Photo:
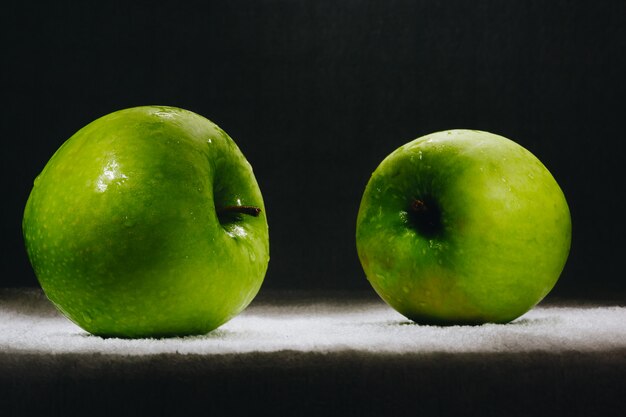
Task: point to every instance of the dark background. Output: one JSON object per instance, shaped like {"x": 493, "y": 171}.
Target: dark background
{"x": 317, "y": 93}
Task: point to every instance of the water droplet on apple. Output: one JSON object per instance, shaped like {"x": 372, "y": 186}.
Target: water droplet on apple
{"x": 252, "y": 256}
{"x": 87, "y": 317}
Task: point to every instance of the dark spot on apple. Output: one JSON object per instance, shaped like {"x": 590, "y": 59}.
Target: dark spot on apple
{"x": 424, "y": 214}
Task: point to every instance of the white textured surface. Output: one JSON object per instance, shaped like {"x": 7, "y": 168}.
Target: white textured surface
{"x": 29, "y": 324}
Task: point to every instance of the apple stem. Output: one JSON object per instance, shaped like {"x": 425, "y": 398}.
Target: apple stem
{"x": 249, "y": 210}
{"x": 426, "y": 216}
{"x": 418, "y": 206}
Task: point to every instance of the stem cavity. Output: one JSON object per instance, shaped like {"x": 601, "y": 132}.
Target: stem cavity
{"x": 248, "y": 210}
{"x": 425, "y": 216}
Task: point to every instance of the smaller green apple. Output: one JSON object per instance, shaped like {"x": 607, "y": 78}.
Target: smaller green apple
{"x": 462, "y": 227}
{"x": 148, "y": 222}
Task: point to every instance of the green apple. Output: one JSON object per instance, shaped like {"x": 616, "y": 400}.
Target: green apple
{"x": 148, "y": 222}
{"x": 462, "y": 227}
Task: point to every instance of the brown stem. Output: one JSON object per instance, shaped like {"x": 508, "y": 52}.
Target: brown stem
{"x": 418, "y": 206}
{"x": 249, "y": 210}
{"x": 425, "y": 215}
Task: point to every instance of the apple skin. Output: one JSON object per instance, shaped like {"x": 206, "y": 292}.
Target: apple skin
{"x": 495, "y": 244}
{"x": 122, "y": 231}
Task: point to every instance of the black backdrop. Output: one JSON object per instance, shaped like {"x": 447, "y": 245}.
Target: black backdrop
{"x": 317, "y": 93}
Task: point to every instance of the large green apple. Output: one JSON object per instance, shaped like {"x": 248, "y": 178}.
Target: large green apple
{"x": 462, "y": 227}
{"x": 148, "y": 222}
